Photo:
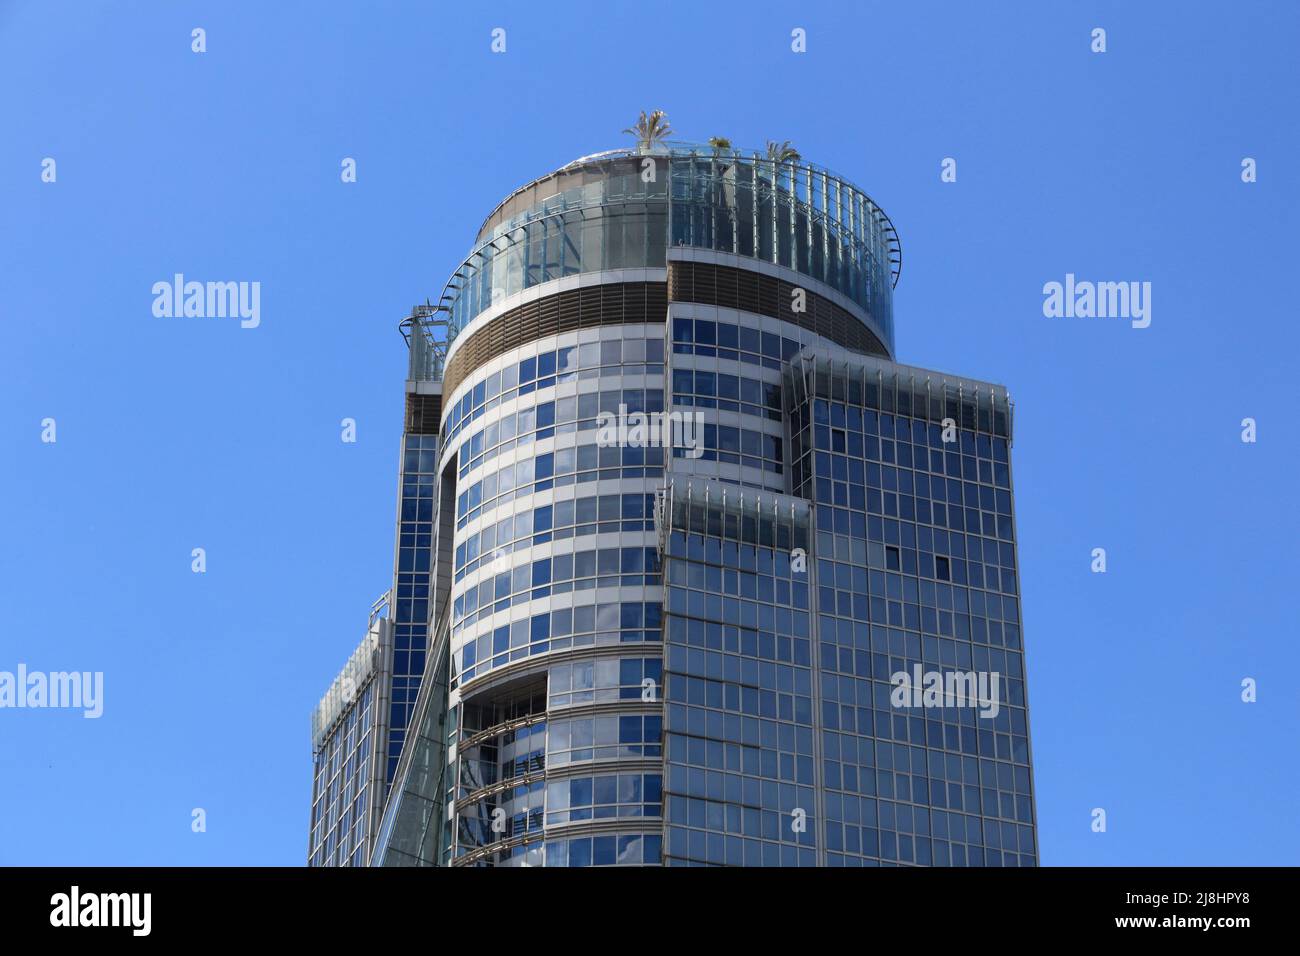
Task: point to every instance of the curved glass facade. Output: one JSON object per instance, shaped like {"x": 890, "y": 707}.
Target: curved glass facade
{"x": 683, "y": 652}
{"x": 554, "y": 606}
{"x": 615, "y": 221}
{"x": 627, "y": 209}
{"x": 791, "y": 214}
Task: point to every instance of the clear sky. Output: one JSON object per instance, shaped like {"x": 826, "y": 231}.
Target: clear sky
{"x": 175, "y": 434}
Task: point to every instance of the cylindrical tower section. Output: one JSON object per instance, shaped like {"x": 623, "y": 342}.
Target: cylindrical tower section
{"x": 587, "y": 291}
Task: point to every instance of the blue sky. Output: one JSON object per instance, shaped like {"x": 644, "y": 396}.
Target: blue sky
{"x": 175, "y": 434}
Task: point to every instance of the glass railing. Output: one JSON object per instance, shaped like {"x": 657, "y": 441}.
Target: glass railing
{"x": 794, "y": 213}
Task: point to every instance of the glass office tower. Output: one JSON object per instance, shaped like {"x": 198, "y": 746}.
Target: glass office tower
{"x": 683, "y": 645}
{"x": 347, "y": 786}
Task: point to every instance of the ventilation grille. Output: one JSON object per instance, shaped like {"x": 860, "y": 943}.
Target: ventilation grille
{"x": 761, "y": 294}
{"x": 423, "y": 413}
{"x": 610, "y": 304}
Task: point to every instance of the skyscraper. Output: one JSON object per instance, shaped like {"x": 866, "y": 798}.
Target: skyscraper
{"x": 347, "y": 786}
{"x": 695, "y": 572}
